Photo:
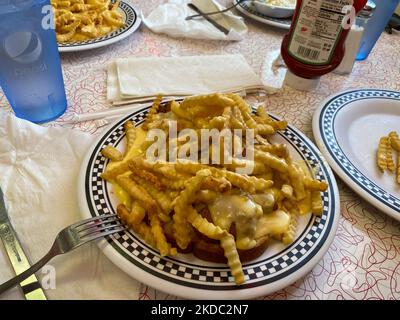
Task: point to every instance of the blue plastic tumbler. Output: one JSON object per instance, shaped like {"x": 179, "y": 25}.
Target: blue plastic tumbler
{"x": 30, "y": 68}
{"x": 380, "y": 18}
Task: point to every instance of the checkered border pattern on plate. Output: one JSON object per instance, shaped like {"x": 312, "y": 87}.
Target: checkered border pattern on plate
{"x": 328, "y": 118}
{"x": 130, "y": 19}
{"x": 200, "y": 276}
{"x": 250, "y": 9}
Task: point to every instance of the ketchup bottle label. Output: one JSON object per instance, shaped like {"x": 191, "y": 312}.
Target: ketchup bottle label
{"x": 317, "y": 30}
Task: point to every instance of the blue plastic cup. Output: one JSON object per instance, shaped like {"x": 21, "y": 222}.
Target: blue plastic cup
{"x": 375, "y": 26}
{"x": 30, "y": 67}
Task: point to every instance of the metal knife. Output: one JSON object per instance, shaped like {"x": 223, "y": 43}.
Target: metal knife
{"x": 205, "y": 16}
{"x": 31, "y": 287}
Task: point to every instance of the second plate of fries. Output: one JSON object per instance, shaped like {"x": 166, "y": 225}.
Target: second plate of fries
{"x": 207, "y": 230}
{"x": 358, "y": 132}
{"x": 89, "y": 24}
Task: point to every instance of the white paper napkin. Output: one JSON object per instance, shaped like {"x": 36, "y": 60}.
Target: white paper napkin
{"x": 38, "y": 175}
{"x": 131, "y": 78}
{"x": 169, "y": 18}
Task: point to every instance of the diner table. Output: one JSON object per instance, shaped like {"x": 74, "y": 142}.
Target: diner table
{"x": 363, "y": 262}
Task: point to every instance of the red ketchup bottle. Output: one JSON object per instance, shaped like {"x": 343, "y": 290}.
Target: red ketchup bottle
{"x": 314, "y": 45}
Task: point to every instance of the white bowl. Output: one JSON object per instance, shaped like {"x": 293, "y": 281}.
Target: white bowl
{"x": 273, "y": 11}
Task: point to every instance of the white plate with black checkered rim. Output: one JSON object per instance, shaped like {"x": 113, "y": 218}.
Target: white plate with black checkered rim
{"x": 248, "y": 9}
{"x": 189, "y": 277}
{"x": 347, "y": 128}
{"x": 131, "y": 24}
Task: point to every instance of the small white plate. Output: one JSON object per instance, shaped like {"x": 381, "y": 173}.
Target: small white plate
{"x": 347, "y": 128}
{"x": 274, "y": 11}
{"x": 186, "y": 276}
{"x": 248, "y": 9}
{"x": 132, "y": 22}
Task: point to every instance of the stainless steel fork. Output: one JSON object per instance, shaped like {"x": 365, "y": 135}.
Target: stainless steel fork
{"x": 69, "y": 239}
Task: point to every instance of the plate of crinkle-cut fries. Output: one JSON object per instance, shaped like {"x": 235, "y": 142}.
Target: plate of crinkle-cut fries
{"x": 222, "y": 200}
{"x": 89, "y": 24}
{"x": 358, "y": 133}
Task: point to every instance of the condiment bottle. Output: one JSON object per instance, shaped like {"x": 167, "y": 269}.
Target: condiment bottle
{"x": 314, "y": 45}
{"x": 352, "y": 43}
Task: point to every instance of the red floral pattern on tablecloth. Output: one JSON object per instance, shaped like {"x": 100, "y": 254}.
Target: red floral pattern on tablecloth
{"x": 363, "y": 261}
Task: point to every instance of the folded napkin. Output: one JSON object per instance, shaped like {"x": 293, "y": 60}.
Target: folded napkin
{"x": 132, "y": 78}
{"x": 39, "y": 174}
{"x": 169, "y": 18}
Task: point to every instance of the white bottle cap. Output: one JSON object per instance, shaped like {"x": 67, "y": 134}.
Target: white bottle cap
{"x": 300, "y": 83}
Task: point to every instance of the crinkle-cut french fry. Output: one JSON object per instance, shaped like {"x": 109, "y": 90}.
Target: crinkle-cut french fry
{"x": 258, "y": 167}
{"x": 153, "y": 111}
{"x": 137, "y": 192}
{"x": 389, "y": 158}
{"x": 179, "y": 112}
{"x": 241, "y": 181}
{"x": 238, "y": 100}
{"x": 260, "y": 184}
{"x": 65, "y": 37}
{"x": 189, "y": 166}
{"x": 304, "y": 205}
{"x": 141, "y": 228}
{"x": 134, "y": 217}
{"x": 265, "y": 129}
{"x": 227, "y": 114}
{"x": 111, "y": 174}
{"x": 130, "y": 132}
{"x": 111, "y": 153}
{"x": 278, "y": 149}
{"x": 248, "y": 119}
{"x": 209, "y": 101}
{"x": 203, "y": 225}
{"x": 219, "y": 184}
{"x": 147, "y": 176}
{"x": 279, "y": 125}
{"x": 137, "y": 213}
{"x": 161, "y": 241}
{"x": 395, "y": 143}
{"x": 181, "y": 226}
{"x": 169, "y": 172}
{"x": 288, "y": 236}
{"x": 381, "y": 153}
{"x": 236, "y": 121}
{"x": 166, "y": 169}
{"x": 315, "y": 185}
{"x": 217, "y": 123}
{"x": 296, "y": 176}
{"x": 174, "y": 184}
{"x": 261, "y": 140}
{"x": 394, "y": 140}
{"x": 262, "y": 113}
{"x": 160, "y": 197}
{"x": 317, "y": 206}
{"x": 231, "y": 254}
{"x": 271, "y": 160}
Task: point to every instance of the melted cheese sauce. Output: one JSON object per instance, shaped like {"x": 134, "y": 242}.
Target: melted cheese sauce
{"x": 135, "y": 151}
{"x": 253, "y": 218}
{"x": 274, "y": 223}
{"x": 242, "y": 211}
